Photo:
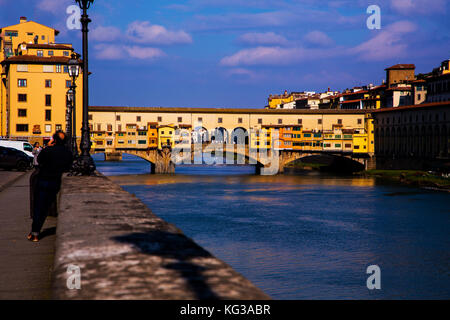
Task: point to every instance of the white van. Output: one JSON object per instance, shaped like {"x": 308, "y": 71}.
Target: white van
{"x": 18, "y": 145}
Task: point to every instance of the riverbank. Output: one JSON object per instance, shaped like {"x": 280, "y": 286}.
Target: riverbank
{"x": 414, "y": 178}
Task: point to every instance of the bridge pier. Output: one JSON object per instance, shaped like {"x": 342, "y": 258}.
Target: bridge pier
{"x": 163, "y": 163}
{"x": 113, "y": 156}
{"x": 370, "y": 163}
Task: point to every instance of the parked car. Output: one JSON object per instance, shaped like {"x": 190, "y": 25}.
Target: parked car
{"x": 14, "y": 159}
{"x": 24, "y": 146}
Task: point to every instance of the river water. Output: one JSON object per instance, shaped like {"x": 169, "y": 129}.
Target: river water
{"x": 306, "y": 236}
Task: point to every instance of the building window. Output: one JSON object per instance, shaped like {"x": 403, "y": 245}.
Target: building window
{"x": 43, "y": 37}
{"x": 51, "y": 53}
{"x": 300, "y": 121}
{"x": 66, "y": 69}
{"x": 22, "y": 97}
{"x": 239, "y": 120}
{"x": 21, "y": 127}
{"x": 48, "y": 100}
{"x": 48, "y": 115}
{"x": 319, "y": 121}
{"x": 159, "y": 119}
{"x": 260, "y": 121}
{"x": 138, "y": 118}
{"x": 22, "y": 112}
{"x": 40, "y": 53}
{"x": 200, "y": 119}
{"x": 21, "y": 82}
{"x": 280, "y": 121}
{"x": 47, "y": 68}
{"x": 219, "y": 120}
{"x": 65, "y": 53}
{"x": 359, "y": 121}
{"x": 68, "y": 83}
{"x": 48, "y": 128}
{"x": 109, "y": 127}
{"x": 119, "y": 127}
{"x": 58, "y": 127}
{"x": 118, "y": 119}
{"x": 99, "y": 127}
{"x": 22, "y": 68}
{"x": 180, "y": 119}
{"x": 58, "y": 68}
{"x": 90, "y": 117}
{"x": 48, "y": 83}
{"x": 339, "y": 121}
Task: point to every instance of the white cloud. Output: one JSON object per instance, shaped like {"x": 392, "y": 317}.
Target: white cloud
{"x": 273, "y": 56}
{"x": 105, "y": 34}
{"x": 144, "y": 53}
{"x": 318, "y": 38}
{"x": 144, "y": 32}
{"x": 408, "y": 7}
{"x": 118, "y": 52}
{"x": 56, "y": 7}
{"x": 109, "y": 52}
{"x": 268, "y": 38}
{"x": 391, "y": 42}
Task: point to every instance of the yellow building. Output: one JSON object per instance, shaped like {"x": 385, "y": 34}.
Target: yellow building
{"x": 261, "y": 138}
{"x": 333, "y": 140}
{"x": 166, "y": 136}
{"x": 34, "y": 82}
{"x": 152, "y": 133}
{"x": 364, "y": 141}
{"x": 275, "y": 100}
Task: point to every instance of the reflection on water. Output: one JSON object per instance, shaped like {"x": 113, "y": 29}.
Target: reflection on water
{"x": 305, "y": 237}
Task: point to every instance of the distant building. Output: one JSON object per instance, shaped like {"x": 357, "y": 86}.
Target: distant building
{"x": 400, "y": 73}
{"x": 34, "y": 82}
{"x": 398, "y": 95}
{"x": 439, "y": 83}
{"x": 419, "y": 91}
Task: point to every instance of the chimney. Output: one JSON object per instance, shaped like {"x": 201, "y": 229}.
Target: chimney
{"x": 23, "y": 19}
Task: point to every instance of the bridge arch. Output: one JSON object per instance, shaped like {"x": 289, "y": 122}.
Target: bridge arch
{"x": 335, "y": 163}
{"x": 220, "y": 135}
{"x": 239, "y": 135}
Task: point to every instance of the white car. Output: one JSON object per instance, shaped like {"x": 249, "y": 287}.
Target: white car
{"x": 24, "y": 146}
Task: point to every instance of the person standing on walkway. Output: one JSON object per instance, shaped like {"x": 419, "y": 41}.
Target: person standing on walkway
{"x": 36, "y": 150}
{"x": 53, "y": 161}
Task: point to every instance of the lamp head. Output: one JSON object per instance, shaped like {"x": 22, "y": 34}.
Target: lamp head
{"x": 73, "y": 66}
{"x": 84, "y": 4}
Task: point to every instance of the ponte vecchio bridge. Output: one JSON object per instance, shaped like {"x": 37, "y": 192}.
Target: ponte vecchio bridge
{"x": 154, "y": 133}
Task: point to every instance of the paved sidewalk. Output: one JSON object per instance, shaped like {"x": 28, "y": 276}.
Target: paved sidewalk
{"x": 25, "y": 267}
{"x": 7, "y": 177}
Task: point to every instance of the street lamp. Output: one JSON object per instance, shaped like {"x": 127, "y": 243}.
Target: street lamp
{"x": 85, "y": 164}
{"x": 69, "y": 108}
{"x": 73, "y": 67}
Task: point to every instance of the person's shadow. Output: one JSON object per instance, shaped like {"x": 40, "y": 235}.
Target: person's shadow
{"x": 179, "y": 247}
{"x": 47, "y": 232}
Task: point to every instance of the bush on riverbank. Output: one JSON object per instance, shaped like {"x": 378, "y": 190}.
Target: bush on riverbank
{"x": 412, "y": 177}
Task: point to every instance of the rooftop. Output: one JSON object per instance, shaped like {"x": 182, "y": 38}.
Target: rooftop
{"x": 402, "y": 67}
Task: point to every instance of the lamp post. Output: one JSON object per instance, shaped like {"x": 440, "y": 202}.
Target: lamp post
{"x": 74, "y": 71}
{"x": 69, "y": 108}
{"x": 85, "y": 164}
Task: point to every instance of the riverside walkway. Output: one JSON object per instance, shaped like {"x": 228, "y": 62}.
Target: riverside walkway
{"x": 25, "y": 267}
{"x": 123, "y": 250}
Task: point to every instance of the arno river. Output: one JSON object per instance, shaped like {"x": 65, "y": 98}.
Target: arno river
{"x": 306, "y": 236}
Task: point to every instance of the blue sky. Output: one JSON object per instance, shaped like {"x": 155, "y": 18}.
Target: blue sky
{"x": 234, "y": 53}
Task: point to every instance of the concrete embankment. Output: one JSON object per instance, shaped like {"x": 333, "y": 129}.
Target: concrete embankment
{"x": 124, "y": 251}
